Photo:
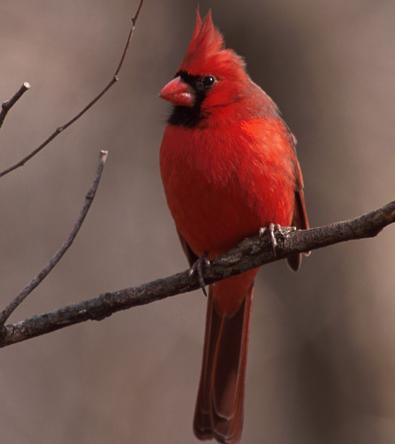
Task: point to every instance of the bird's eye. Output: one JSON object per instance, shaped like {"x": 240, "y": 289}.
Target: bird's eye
{"x": 208, "y": 81}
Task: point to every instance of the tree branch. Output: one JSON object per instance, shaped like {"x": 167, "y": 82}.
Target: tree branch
{"x": 63, "y": 127}
{"x": 6, "y": 313}
{"x": 250, "y": 253}
{"x": 6, "y": 106}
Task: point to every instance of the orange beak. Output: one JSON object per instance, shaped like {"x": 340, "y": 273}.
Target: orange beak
{"x": 178, "y": 93}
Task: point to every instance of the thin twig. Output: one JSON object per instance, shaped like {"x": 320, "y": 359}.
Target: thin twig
{"x": 6, "y": 106}
{"x": 250, "y": 253}
{"x": 90, "y": 195}
{"x": 63, "y": 127}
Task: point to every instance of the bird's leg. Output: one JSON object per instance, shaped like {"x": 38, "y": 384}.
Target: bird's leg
{"x": 270, "y": 229}
{"x": 197, "y": 268}
{"x": 276, "y": 229}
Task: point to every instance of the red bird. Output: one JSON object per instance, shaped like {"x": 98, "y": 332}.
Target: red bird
{"x": 229, "y": 167}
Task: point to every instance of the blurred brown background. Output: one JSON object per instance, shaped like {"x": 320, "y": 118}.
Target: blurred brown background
{"x": 322, "y": 355}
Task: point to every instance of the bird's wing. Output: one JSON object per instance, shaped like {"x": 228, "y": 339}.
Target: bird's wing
{"x": 299, "y": 219}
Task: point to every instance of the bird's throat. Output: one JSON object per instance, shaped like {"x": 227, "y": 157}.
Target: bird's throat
{"x": 189, "y": 117}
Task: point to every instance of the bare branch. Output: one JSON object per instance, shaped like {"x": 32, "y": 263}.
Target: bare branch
{"x": 250, "y": 253}
{"x": 6, "y": 106}
{"x": 63, "y": 127}
{"x": 90, "y": 195}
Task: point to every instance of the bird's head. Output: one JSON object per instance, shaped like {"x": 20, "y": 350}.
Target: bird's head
{"x": 209, "y": 76}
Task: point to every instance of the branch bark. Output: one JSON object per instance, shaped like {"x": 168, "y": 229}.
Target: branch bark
{"x": 36, "y": 281}
{"x": 250, "y": 253}
{"x": 6, "y": 106}
{"x": 66, "y": 125}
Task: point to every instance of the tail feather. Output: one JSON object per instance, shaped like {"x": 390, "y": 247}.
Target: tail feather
{"x": 219, "y": 407}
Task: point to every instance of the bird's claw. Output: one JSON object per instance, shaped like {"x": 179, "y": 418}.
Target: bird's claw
{"x": 197, "y": 268}
{"x": 276, "y": 229}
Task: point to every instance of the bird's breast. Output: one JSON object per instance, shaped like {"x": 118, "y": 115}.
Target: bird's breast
{"x": 223, "y": 184}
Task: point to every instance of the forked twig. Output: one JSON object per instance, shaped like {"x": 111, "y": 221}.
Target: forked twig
{"x": 63, "y": 127}
{"x": 90, "y": 195}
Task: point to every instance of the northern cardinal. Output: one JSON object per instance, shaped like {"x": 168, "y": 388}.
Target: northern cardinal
{"x": 229, "y": 167}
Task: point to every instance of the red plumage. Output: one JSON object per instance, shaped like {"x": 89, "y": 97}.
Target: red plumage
{"x": 228, "y": 167}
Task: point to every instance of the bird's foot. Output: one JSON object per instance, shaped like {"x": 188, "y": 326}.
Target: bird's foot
{"x": 197, "y": 268}
{"x": 273, "y": 230}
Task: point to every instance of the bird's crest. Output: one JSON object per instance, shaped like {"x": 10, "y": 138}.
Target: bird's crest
{"x": 207, "y": 49}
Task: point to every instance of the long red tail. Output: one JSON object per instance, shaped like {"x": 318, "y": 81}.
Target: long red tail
{"x": 219, "y": 407}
